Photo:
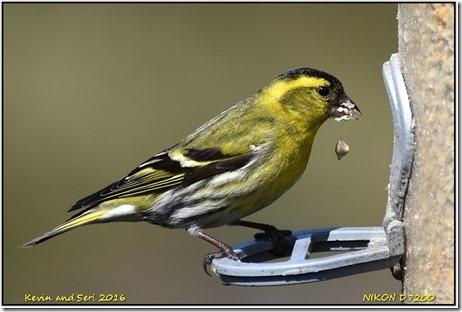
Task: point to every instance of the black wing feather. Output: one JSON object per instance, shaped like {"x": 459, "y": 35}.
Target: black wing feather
{"x": 138, "y": 182}
{"x": 207, "y": 171}
{"x": 160, "y": 161}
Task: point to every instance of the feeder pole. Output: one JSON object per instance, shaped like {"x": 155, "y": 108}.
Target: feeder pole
{"x": 426, "y": 53}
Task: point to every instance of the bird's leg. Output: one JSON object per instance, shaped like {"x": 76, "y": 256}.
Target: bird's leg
{"x": 280, "y": 244}
{"x": 225, "y": 250}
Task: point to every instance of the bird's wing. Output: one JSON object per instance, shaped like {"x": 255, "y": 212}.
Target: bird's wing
{"x": 170, "y": 168}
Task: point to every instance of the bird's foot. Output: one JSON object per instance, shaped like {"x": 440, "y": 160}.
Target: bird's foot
{"x": 226, "y": 251}
{"x": 278, "y": 239}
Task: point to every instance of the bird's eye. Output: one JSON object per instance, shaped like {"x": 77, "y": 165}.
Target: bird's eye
{"x": 323, "y": 91}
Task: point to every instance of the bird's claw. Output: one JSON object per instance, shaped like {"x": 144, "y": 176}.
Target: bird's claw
{"x": 225, "y": 252}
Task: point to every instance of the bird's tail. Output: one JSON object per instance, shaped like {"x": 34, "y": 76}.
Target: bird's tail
{"x": 92, "y": 216}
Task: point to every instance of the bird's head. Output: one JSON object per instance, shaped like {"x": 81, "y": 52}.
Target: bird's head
{"x": 312, "y": 95}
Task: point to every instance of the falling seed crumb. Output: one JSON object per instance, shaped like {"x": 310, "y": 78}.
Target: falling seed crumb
{"x": 341, "y": 149}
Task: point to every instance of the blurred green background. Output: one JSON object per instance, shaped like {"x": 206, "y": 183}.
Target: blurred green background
{"x": 92, "y": 90}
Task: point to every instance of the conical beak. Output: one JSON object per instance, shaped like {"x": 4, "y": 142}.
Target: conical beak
{"x": 345, "y": 109}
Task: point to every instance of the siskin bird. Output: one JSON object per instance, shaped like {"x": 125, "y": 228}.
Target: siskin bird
{"x": 234, "y": 165}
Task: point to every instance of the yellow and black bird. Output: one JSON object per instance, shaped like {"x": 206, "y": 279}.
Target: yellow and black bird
{"x": 234, "y": 165}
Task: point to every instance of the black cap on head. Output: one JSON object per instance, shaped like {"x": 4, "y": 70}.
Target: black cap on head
{"x": 306, "y": 71}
